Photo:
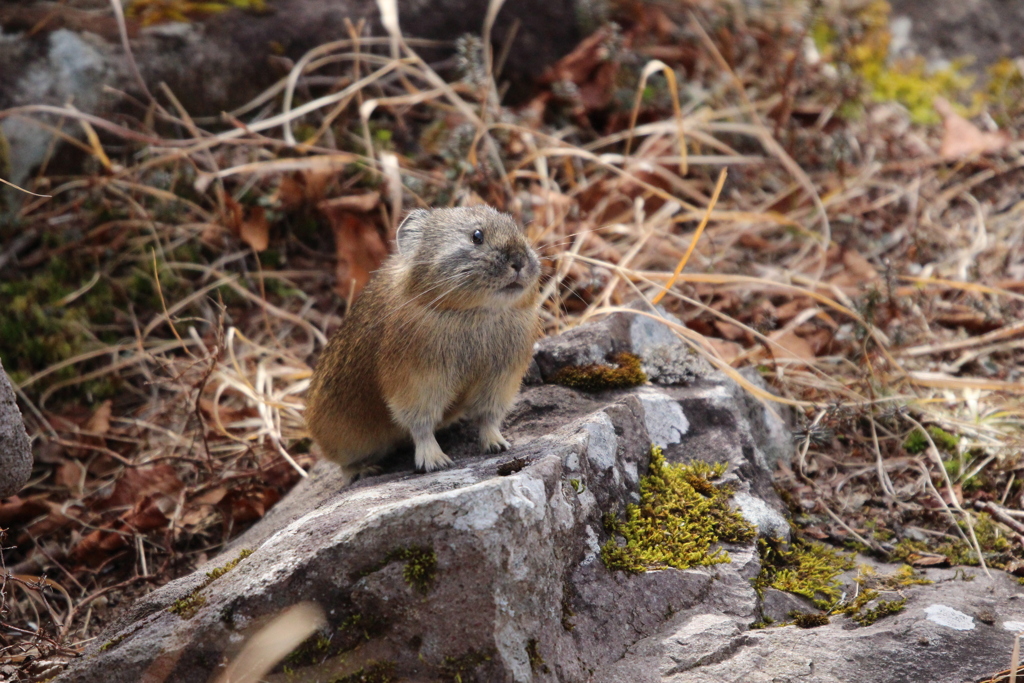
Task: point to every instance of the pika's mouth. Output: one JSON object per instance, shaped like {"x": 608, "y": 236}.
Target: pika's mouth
{"x": 514, "y": 286}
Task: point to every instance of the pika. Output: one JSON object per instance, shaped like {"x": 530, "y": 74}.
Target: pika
{"x": 443, "y": 330}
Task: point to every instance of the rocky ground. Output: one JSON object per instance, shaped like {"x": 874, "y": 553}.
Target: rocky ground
{"x": 493, "y": 570}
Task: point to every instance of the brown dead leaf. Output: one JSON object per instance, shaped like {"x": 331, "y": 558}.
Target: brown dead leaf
{"x": 730, "y": 331}
{"x": 359, "y": 246}
{"x": 304, "y": 188}
{"x": 927, "y": 560}
{"x": 148, "y": 514}
{"x": 99, "y": 422}
{"x": 857, "y": 271}
{"x": 793, "y": 346}
{"x": 15, "y": 511}
{"x": 70, "y": 475}
{"x": 590, "y": 69}
{"x": 202, "y": 508}
{"x": 961, "y": 138}
{"x": 248, "y": 223}
{"x": 247, "y": 506}
{"x": 139, "y": 482}
{"x": 255, "y": 229}
{"x": 227, "y": 414}
{"x": 728, "y": 350}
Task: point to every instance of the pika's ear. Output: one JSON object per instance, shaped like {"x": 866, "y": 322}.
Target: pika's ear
{"x": 407, "y": 237}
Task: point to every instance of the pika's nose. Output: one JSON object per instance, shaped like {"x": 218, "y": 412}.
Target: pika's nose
{"x": 517, "y": 263}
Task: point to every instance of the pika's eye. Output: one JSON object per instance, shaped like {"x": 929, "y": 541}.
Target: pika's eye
{"x": 478, "y": 237}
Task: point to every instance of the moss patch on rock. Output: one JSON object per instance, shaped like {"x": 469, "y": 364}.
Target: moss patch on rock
{"x": 420, "y": 566}
{"x": 995, "y": 545}
{"x": 187, "y": 606}
{"x": 805, "y": 568}
{"x": 680, "y": 520}
{"x": 373, "y": 672}
{"x": 462, "y": 668}
{"x": 597, "y": 377}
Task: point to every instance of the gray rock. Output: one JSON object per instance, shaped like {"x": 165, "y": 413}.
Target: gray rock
{"x": 777, "y": 606}
{"x": 520, "y": 593}
{"x": 15, "y": 449}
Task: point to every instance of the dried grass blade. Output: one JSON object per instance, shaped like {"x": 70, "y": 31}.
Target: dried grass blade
{"x": 696, "y": 236}
{"x": 673, "y": 87}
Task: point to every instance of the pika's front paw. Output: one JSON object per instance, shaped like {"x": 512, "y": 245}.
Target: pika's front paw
{"x": 430, "y": 457}
{"x": 491, "y": 441}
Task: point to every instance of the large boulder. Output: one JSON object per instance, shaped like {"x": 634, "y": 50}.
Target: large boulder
{"x": 518, "y": 590}
{"x": 492, "y": 571}
{"x": 15, "y": 450}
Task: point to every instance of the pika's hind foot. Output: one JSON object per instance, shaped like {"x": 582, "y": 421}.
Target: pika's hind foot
{"x": 491, "y": 440}
{"x": 351, "y": 474}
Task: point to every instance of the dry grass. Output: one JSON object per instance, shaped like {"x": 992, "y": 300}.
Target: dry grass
{"x": 877, "y": 287}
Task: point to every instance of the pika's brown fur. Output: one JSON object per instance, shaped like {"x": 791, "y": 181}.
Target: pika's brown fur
{"x": 444, "y": 330}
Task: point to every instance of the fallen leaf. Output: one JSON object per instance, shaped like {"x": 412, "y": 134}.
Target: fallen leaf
{"x": 304, "y": 188}
{"x": 99, "y": 422}
{"x": 793, "y": 346}
{"x": 728, "y": 350}
{"x": 250, "y": 224}
{"x": 255, "y": 229}
{"x": 590, "y": 69}
{"x": 70, "y": 475}
{"x": 927, "y": 560}
{"x": 359, "y": 246}
{"x": 961, "y": 138}
{"x": 730, "y": 331}
{"x": 857, "y": 271}
{"x": 15, "y": 511}
{"x": 139, "y": 482}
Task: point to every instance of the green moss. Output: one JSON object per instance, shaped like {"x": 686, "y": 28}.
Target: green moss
{"x": 997, "y": 547}
{"x": 809, "y": 619}
{"x": 536, "y": 661}
{"x": 567, "y": 615}
{"x": 112, "y": 643}
{"x": 901, "y": 578}
{"x": 883, "y": 608}
{"x": 679, "y": 522}
{"x": 188, "y": 606}
{"x": 311, "y": 651}
{"x": 362, "y": 627}
{"x": 420, "y": 566}
{"x": 221, "y": 571}
{"x": 944, "y": 441}
{"x": 595, "y": 377}
{"x": 908, "y": 81}
{"x": 373, "y": 672}
{"x": 805, "y": 568}
{"x": 462, "y": 669}
{"x": 916, "y": 442}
